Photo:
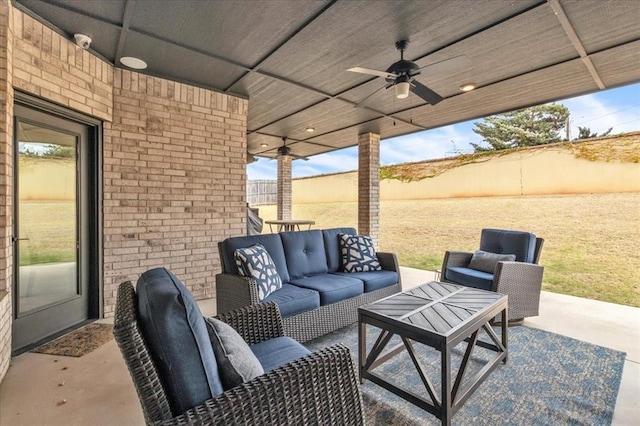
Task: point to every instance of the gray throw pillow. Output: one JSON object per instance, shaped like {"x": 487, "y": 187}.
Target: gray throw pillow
{"x": 486, "y": 261}
{"x": 236, "y": 362}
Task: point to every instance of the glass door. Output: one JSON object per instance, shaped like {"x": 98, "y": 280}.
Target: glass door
{"x": 50, "y": 238}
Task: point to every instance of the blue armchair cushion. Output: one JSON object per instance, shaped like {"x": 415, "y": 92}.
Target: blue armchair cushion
{"x": 275, "y": 352}
{"x": 292, "y": 300}
{"x": 358, "y": 254}
{"x": 176, "y": 334}
{"x": 305, "y": 253}
{"x": 255, "y": 262}
{"x": 501, "y": 241}
{"x": 236, "y": 362}
{"x": 485, "y": 261}
{"x": 470, "y": 277}
{"x": 331, "y": 287}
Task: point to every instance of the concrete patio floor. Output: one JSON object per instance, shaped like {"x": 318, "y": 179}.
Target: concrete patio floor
{"x": 96, "y": 389}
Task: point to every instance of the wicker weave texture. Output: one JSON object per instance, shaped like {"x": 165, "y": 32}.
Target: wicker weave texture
{"x": 320, "y": 388}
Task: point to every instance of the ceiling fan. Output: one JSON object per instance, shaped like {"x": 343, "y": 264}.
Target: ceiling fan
{"x": 284, "y": 150}
{"x": 402, "y": 74}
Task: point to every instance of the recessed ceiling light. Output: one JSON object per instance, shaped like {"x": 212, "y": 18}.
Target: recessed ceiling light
{"x": 131, "y": 62}
{"x": 264, "y": 145}
{"x": 468, "y": 87}
{"x": 310, "y": 129}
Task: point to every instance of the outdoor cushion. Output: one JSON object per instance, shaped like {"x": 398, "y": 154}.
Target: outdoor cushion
{"x": 278, "y": 351}
{"x": 236, "y": 362}
{"x": 522, "y": 244}
{"x": 305, "y": 253}
{"x": 485, "y": 261}
{"x": 373, "y": 280}
{"x": 332, "y": 246}
{"x": 358, "y": 253}
{"x": 271, "y": 242}
{"x": 255, "y": 262}
{"x": 292, "y": 300}
{"x": 332, "y": 288}
{"x": 470, "y": 277}
{"x": 176, "y": 334}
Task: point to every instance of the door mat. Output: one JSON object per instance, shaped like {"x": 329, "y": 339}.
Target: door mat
{"x": 79, "y": 342}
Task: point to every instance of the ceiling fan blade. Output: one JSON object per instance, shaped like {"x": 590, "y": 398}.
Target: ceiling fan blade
{"x": 382, "y": 74}
{"x": 458, "y": 62}
{"x": 299, "y": 157}
{"x": 364, "y": 101}
{"x": 425, "y": 93}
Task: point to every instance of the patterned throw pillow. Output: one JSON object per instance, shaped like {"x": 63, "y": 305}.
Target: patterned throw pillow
{"x": 255, "y": 262}
{"x": 358, "y": 254}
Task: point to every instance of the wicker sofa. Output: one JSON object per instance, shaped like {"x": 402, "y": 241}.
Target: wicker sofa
{"x": 317, "y": 297}
{"x": 178, "y": 373}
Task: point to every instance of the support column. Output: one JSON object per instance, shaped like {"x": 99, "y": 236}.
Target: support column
{"x": 284, "y": 187}
{"x": 369, "y": 186}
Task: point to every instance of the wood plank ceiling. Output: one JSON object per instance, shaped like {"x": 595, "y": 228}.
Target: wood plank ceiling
{"x": 289, "y": 58}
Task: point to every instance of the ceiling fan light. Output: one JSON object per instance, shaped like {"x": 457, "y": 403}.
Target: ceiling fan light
{"x": 467, "y": 87}
{"x": 402, "y": 90}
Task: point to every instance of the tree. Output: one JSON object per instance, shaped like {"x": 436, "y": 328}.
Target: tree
{"x": 585, "y": 133}
{"x": 532, "y": 126}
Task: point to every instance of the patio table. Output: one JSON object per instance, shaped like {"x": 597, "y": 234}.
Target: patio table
{"x": 441, "y": 316}
{"x": 288, "y": 225}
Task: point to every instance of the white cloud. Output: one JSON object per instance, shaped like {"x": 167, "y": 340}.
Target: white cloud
{"x": 599, "y": 116}
{"x": 262, "y": 169}
{"x": 332, "y": 162}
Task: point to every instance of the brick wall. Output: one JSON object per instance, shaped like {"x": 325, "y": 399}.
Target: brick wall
{"x": 6, "y": 176}
{"x": 174, "y": 181}
{"x": 369, "y": 185}
{"x": 284, "y": 188}
{"x": 173, "y": 160}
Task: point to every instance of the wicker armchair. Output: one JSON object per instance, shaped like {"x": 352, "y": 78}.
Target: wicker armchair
{"x": 520, "y": 280}
{"x": 320, "y": 388}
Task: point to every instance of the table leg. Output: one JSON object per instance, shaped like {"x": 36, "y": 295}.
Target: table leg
{"x": 505, "y": 327}
{"x": 362, "y": 348}
{"x": 446, "y": 403}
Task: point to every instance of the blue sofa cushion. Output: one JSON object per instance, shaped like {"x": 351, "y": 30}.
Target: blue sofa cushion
{"x": 255, "y": 262}
{"x": 176, "y": 334}
{"x": 373, "y": 280}
{"x": 470, "y": 277}
{"x": 236, "y": 362}
{"x": 292, "y": 300}
{"x": 358, "y": 253}
{"x": 486, "y": 262}
{"x": 271, "y": 242}
{"x": 332, "y": 247}
{"x": 522, "y": 244}
{"x": 305, "y": 253}
{"x": 275, "y": 352}
{"x": 332, "y": 288}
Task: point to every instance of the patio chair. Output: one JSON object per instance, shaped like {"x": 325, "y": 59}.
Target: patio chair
{"x": 507, "y": 262}
{"x": 317, "y": 388}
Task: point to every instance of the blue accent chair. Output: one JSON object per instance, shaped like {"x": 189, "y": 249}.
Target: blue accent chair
{"x": 519, "y": 278}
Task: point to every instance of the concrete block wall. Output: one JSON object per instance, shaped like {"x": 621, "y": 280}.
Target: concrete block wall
{"x": 174, "y": 181}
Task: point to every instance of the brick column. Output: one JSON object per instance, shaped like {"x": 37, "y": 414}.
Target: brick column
{"x": 369, "y": 185}
{"x": 6, "y": 180}
{"x": 284, "y": 187}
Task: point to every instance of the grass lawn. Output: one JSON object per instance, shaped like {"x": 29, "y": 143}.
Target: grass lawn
{"x": 592, "y": 242}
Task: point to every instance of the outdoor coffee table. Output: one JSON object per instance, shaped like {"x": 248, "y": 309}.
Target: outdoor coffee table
{"x": 439, "y": 315}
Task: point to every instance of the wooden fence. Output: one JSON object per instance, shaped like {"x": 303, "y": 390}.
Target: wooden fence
{"x": 261, "y": 192}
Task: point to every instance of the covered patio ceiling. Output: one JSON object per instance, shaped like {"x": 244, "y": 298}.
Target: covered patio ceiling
{"x": 290, "y": 58}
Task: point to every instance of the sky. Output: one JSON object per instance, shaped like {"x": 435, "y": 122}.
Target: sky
{"x": 617, "y": 108}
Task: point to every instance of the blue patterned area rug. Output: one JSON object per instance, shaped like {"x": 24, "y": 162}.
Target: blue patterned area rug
{"x": 549, "y": 379}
